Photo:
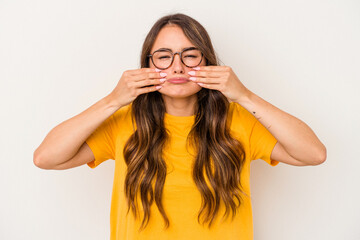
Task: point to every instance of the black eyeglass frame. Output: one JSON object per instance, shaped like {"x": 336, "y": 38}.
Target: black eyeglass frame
{"x": 173, "y": 57}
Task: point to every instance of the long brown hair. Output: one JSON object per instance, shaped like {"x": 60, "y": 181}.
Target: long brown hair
{"x": 221, "y": 155}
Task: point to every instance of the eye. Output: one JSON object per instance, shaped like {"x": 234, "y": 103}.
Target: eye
{"x": 164, "y": 57}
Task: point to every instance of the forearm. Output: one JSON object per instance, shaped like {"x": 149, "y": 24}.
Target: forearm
{"x": 295, "y": 136}
{"x": 64, "y": 140}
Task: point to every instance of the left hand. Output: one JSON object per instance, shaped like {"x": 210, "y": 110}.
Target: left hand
{"x": 221, "y": 78}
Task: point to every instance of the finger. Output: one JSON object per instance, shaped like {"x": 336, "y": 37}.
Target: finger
{"x": 209, "y": 74}
{"x": 142, "y": 70}
{"x": 148, "y": 75}
{"x": 213, "y": 68}
{"x": 209, "y": 86}
{"x": 206, "y": 80}
{"x": 148, "y": 89}
{"x": 148, "y": 82}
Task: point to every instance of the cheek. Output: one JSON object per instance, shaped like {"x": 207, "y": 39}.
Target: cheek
{"x": 151, "y": 65}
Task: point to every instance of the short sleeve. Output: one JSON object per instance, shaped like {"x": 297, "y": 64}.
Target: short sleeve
{"x": 262, "y": 142}
{"x": 102, "y": 142}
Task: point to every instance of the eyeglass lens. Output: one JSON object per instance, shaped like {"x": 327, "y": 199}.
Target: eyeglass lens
{"x": 163, "y": 59}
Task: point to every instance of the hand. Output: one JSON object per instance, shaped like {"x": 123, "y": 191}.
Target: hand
{"x": 135, "y": 82}
{"x": 220, "y": 78}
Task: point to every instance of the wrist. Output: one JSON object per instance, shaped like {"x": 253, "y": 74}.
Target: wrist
{"x": 245, "y": 98}
{"x": 112, "y": 102}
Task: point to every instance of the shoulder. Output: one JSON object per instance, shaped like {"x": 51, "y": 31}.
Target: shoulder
{"x": 123, "y": 112}
{"x": 122, "y": 117}
{"x": 242, "y": 121}
{"x": 240, "y": 115}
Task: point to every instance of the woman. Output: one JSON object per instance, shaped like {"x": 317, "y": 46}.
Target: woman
{"x": 182, "y": 131}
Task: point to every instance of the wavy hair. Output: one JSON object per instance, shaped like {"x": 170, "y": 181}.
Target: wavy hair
{"x": 220, "y": 155}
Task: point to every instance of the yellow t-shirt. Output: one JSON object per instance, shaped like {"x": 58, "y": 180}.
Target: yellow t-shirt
{"x": 181, "y": 198}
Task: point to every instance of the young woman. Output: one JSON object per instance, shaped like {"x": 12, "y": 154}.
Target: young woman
{"x": 183, "y": 132}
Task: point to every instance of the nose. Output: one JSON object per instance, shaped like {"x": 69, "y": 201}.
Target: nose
{"x": 177, "y": 66}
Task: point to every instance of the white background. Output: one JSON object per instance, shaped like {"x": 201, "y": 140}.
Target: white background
{"x": 57, "y": 58}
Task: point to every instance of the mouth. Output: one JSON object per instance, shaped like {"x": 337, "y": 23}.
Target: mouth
{"x": 178, "y": 80}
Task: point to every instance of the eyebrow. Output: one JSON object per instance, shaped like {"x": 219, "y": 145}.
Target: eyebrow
{"x": 168, "y": 49}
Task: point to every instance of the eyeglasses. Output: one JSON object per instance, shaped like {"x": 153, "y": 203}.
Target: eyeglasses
{"x": 163, "y": 58}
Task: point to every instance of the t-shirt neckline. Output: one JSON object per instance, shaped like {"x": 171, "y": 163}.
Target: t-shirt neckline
{"x": 178, "y": 119}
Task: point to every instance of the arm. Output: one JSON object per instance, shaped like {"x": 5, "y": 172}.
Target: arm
{"x": 65, "y": 147}
{"x": 297, "y": 143}
{"x": 66, "y": 139}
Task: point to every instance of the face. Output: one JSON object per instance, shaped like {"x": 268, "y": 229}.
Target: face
{"x": 173, "y": 37}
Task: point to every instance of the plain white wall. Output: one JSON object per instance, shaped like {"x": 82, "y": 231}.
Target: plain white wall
{"x": 57, "y": 58}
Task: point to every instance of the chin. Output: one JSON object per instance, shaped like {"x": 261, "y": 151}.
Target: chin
{"x": 180, "y": 90}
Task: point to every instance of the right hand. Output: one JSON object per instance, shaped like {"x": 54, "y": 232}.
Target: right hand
{"x": 133, "y": 83}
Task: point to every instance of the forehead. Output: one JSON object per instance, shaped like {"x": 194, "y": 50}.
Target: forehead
{"x": 172, "y": 37}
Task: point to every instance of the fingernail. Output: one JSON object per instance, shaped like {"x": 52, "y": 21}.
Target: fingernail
{"x": 162, "y": 79}
{"x": 192, "y": 78}
{"x": 157, "y": 70}
{"x": 201, "y": 84}
{"x": 163, "y": 74}
{"x": 158, "y": 87}
{"x": 196, "y": 68}
{"x": 191, "y": 73}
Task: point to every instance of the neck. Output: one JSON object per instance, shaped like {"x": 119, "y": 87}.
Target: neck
{"x": 180, "y": 106}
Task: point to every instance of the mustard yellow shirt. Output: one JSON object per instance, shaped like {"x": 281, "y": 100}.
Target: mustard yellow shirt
{"x": 181, "y": 198}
